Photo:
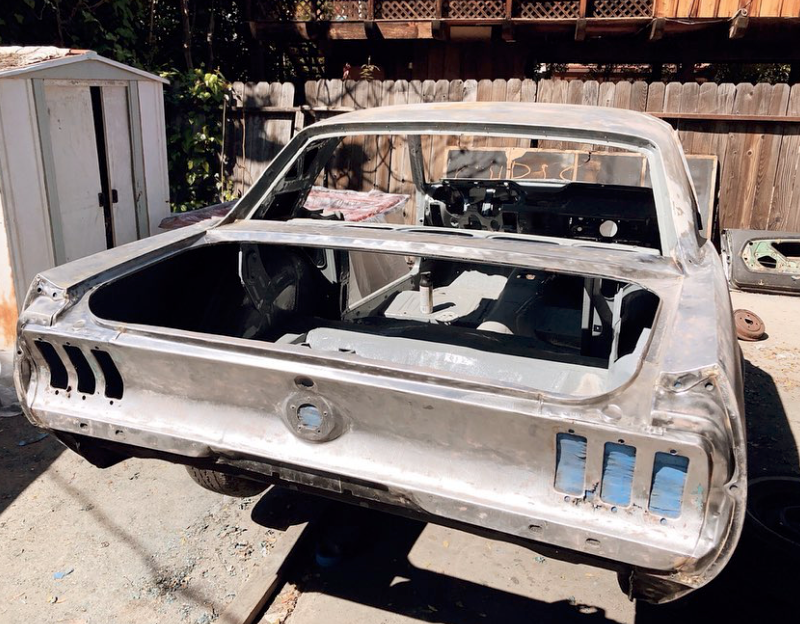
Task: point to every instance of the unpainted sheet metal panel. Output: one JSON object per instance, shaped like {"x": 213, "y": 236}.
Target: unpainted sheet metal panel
{"x": 154, "y": 148}
{"x": 76, "y": 169}
{"x": 120, "y": 166}
{"x": 26, "y": 247}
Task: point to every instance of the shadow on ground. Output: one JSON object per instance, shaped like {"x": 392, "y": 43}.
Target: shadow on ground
{"x": 20, "y": 465}
{"x": 375, "y": 569}
{"x": 25, "y": 451}
{"x": 758, "y": 584}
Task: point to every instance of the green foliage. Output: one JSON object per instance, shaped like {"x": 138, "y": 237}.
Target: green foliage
{"x": 107, "y": 26}
{"x": 751, "y": 72}
{"x": 193, "y": 106}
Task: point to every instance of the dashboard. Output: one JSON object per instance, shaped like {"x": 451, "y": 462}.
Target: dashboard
{"x": 596, "y": 212}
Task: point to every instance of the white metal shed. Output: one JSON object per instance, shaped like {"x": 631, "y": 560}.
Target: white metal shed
{"x": 83, "y": 162}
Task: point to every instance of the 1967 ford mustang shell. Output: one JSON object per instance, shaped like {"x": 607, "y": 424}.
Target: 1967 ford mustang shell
{"x": 547, "y": 360}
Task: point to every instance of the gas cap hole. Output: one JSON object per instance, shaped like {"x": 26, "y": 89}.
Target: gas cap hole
{"x": 304, "y": 382}
{"x": 309, "y": 417}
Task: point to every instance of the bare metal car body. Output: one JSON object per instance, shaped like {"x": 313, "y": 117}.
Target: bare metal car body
{"x": 532, "y": 464}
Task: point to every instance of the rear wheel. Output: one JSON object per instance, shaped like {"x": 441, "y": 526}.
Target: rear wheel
{"x": 222, "y": 483}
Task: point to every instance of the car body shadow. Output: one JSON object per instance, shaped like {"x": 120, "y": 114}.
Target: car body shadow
{"x": 362, "y": 556}
{"x": 759, "y": 582}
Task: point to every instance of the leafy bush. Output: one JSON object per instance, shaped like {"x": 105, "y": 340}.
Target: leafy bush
{"x": 193, "y": 105}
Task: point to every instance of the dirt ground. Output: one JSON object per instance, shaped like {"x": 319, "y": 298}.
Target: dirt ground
{"x": 141, "y": 543}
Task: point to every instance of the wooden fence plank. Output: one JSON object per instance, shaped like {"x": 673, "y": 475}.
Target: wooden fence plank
{"x": 785, "y": 206}
{"x": 452, "y": 91}
{"x": 621, "y": 95}
{"x": 726, "y": 95}
{"x": 733, "y": 182}
{"x": 688, "y": 104}
{"x": 705, "y": 142}
{"x": 752, "y": 135}
{"x": 769, "y": 149}
{"x": 399, "y": 95}
{"x": 384, "y": 144}
{"x": 639, "y": 91}
{"x": 607, "y": 93}
{"x": 655, "y": 97}
{"x": 429, "y": 95}
{"x": 484, "y": 95}
{"x": 514, "y": 94}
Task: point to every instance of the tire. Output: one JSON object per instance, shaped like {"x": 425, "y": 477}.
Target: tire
{"x": 223, "y": 483}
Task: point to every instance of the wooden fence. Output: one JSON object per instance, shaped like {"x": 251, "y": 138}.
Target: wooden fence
{"x": 754, "y": 130}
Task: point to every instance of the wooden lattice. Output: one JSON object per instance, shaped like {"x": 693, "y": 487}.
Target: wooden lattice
{"x": 405, "y": 9}
{"x": 350, "y": 9}
{"x": 310, "y": 10}
{"x": 475, "y": 9}
{"x": 622, "y": 8}
{"x": 546, "y": 9}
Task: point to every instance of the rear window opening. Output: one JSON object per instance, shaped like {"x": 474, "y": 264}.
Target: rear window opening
{"x": 554, "y": 332}
{"x": 556, "y": 189}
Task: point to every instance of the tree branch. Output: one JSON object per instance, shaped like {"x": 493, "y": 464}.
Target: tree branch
{"x": 187, "y": 34}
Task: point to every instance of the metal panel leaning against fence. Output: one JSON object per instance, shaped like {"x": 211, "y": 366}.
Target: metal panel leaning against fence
{"x": 754, "y": 130}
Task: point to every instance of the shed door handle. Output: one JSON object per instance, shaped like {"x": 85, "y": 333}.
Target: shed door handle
{"x": 101, "y": 197}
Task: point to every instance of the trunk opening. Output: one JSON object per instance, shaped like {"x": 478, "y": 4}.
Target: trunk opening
{"x": 547, "y": 331}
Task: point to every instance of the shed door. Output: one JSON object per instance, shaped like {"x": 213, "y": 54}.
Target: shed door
{"x": 116, "y": 123}
{"x": 77, "y": 170}
{"x": 93, "y": 165}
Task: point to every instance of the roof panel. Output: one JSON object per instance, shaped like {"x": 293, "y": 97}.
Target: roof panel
{"x": 27, "y": 60}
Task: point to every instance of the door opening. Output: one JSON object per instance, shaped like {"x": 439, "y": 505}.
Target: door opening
{"x": 107, "y": 195}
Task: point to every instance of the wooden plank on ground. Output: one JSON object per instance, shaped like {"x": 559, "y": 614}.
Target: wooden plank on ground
{"x": 264, "y": 581}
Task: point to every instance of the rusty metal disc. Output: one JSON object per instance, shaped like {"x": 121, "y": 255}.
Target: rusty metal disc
{"x": 749, "y": 325}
